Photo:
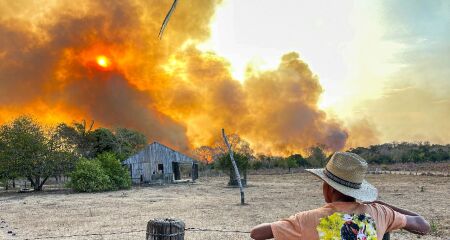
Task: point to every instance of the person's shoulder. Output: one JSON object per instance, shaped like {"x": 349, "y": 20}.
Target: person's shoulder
{"x": 378, "y": 210}
{"x": 315, "y": 213}
{"x": 323, "y": 208}
{"x": 374, "y": 206}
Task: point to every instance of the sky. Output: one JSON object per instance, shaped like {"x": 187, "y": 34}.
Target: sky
{"x": 283, "y": 75}
{"x": 381, "y": 63}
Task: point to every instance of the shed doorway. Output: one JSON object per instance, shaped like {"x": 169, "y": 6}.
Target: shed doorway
{"x": 176, "y": 171}
{"x": 184, "y": 171}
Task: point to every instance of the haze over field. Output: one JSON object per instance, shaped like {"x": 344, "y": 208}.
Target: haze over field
{"x": 283, "y": 76}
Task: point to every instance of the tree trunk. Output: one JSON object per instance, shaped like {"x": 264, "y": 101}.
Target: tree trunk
{"x": 39, "y": 183}
{"x": 14, "y": 183}
{"x": 31, "y": 181}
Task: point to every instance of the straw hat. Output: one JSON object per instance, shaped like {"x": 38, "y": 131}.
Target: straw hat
{"x": 345, "y": 172}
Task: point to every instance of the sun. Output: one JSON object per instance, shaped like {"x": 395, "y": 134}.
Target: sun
{"x": 103, "y": 61}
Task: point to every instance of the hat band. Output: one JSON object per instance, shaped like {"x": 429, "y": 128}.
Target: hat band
{"x": 341, "y": 181}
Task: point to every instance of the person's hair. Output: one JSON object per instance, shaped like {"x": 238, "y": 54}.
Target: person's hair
{"x": 343, "y": 197}
{"x": 347, "y": 198}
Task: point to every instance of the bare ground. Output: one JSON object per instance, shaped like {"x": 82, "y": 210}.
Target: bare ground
{"x": 205, "y": 204}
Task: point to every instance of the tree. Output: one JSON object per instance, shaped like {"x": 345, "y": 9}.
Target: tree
{"x": 7, "y": 169}
{"x": 24, "y": 149}
{"x": 103, "y": 140}
{"x": 317, "y": 157}
{"x": 256, "y": 164}
{"x": 204, "y": 154}
{"x": 61, "y": 152}
{"x": 238, "y": 145}
{"x": 79, "y": 135}
{"x": 129, "y": 142}
{"x": 57, "y": 159}
{"x": 90, "y": 143}
{"x": 224, "y": 163}
{"x": 301, "y": 161}
{"x": 291, "y": 163}
{"x": 266, "y": 161}
{"x": 280, "y": 162}
{"x": 30, "y": 152}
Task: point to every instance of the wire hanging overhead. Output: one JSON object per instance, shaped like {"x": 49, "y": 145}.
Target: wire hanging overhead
{"x": 167, "y": 18}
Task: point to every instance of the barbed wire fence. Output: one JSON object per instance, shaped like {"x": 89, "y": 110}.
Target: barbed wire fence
{"x": 385, "y": 237}
{"x": 135, "y": 231}
{"x": 157, "y": 229}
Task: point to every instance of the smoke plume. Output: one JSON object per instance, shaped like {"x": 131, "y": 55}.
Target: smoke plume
{"x": 170, "y": 90}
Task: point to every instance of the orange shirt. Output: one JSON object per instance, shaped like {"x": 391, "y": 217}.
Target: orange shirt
{"x": 340, "y": 220}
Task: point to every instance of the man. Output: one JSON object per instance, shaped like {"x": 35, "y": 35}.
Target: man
{"x": 342, "y": 217}
{"x": 349, "y": 230}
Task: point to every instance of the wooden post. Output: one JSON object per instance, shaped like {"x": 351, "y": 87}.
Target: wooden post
{"x": 194, "y": 173}
{"x": 165, "y": 229}
{"x": 236, "y": 170}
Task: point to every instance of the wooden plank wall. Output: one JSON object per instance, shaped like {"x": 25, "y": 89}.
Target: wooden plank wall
{"x": 146, "y": 162}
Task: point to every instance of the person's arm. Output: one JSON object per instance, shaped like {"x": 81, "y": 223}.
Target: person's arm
{"x": 262, "y": 231}
{"x": 414, "y": 222}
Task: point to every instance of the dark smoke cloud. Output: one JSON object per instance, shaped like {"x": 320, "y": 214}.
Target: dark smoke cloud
{"x": 45, "y": 61}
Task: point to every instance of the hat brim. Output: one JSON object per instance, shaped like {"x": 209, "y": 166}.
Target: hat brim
{"x": 367, "y": 192}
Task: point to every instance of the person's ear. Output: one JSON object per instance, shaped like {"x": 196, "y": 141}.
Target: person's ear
{"x": 327, "y": 192}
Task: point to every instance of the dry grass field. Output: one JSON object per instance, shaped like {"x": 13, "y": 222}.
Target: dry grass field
{"x": 206, "y": 204}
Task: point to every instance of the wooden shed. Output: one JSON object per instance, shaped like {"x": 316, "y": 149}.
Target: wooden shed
{"x": 159, "y": 163}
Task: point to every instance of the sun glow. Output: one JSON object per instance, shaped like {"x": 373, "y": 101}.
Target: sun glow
{"x": 103, "y": 61}
{"x": 331, "y": 39}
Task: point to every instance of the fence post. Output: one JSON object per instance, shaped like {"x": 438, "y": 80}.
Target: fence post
{"x": 165, "y": 229}
{"x": 236, "y": 170}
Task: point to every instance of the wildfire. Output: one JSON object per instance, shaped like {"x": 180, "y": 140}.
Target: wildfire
{"x": 103, "y": 61}
{"x": 113, "y": 70}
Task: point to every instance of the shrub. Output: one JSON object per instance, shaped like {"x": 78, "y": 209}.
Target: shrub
{"x": 256, "y": 164}
{"x": 224, "y": 162}
{"x": 89, "y": 176}
{"x": 280, "y": 162}
{"x": 119, "y": 175}
{"x": 100, "y": 174}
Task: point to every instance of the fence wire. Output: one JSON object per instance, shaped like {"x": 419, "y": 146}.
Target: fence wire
{"x": 86, "y": 235}
{"x": 214, "y": 230}
{"x": 137, "y": 231}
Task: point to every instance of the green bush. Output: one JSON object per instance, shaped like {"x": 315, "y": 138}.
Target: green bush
{"x": 224, "y": 162}
{"x": 89, "y": 176}
{"x": 256, "y": 164}
{"x": 119, "y": 175}
{"x": 102, "y": 173}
